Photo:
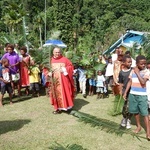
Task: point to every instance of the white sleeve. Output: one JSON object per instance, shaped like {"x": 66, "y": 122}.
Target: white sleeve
{"x": 103, "y": 78}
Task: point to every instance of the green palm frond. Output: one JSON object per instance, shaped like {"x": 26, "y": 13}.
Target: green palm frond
{"x": 54, "y": 34}
{"x": 85, "y": 61}
{"x": 90, "y": 73}
{"x": 58, "y": 146}
{"x": 118, "y": 105}
{"x": 99, "y": 66}
{"x": 103, "y": 124}
{"x": 69, "y": 54}
{"x": 75, "y": 59}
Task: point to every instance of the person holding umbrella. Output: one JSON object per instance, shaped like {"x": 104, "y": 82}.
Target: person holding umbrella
{"x": 62, "y": 84}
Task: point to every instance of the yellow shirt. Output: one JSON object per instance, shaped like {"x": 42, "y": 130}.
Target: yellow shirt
{"x": 34, "y": 75}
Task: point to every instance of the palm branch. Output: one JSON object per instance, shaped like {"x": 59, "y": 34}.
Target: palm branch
{"x": 103, "y": 124}
{"x": 118, "y": 105}
{"x": 58, "y": 146}
{"x": 99, "y": 66}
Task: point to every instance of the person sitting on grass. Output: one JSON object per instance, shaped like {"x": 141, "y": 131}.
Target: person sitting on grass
{"x": 138, "y": 103}
{"x": 5, "y": 80}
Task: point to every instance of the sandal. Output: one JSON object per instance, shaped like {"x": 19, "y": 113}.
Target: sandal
{"x": 56, "y": 112}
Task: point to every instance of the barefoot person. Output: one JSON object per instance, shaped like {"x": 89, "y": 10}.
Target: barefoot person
{"x": 14, "y": 61}
{"x": 24, "y": 69}
{"x": 34, "y": 78}
{"x": 5, "y": 80}
{"x": 138, "y": 103}
{"x": 62, "y": 84}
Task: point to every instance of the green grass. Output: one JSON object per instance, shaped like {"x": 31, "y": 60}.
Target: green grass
{"x": 29, "y": 124}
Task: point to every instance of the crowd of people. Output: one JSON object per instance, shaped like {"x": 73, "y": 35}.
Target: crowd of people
{"x": 131, "y": 79}
{"x": 18, "y": 71}
{"x": 127, "y": 77}
{"x": 122, "y": 76}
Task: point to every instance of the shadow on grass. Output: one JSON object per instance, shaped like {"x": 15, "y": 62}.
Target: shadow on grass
{"x": 103, "y": 124}
{"x": 58, "y": 146}
{"x": 79, "y": 103}
{"x": 14, "y": 125}
{"x": 16, "y": 99}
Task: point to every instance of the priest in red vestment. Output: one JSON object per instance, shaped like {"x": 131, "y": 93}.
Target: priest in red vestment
{"x": 62, "y": 84}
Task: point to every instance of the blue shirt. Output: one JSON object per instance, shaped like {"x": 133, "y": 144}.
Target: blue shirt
{"x": 82, "y": 75}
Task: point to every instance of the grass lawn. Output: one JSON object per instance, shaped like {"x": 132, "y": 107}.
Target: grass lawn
{"x": 29, "y": 124}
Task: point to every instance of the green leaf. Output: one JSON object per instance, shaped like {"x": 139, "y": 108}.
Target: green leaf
{"x": 100, "y": 67}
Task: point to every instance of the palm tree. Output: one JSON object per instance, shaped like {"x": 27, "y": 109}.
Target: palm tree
{"x": 12, "y": 16}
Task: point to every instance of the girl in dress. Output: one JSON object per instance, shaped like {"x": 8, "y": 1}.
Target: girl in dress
{"x": 24, "y": 69}
{"x": 100, "y": 84}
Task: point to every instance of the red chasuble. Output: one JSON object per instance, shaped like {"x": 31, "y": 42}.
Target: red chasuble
{"x": 62, "y": 86}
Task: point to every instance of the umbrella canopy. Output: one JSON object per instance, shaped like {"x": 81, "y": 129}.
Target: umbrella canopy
{"x": 58, "y": 43}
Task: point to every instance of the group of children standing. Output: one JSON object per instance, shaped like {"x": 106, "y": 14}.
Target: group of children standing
{"x": 136, "y": 93}
{"x": 94, "y": 84}
{"x": 133, "y": 83}
{"x": 129, "y": 78}
{"x": 18, "y": 71}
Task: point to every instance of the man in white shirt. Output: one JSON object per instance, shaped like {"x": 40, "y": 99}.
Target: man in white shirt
{"x": 82, "y": 80}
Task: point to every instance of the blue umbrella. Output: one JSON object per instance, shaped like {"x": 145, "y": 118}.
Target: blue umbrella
{"x": 58, "y": 43}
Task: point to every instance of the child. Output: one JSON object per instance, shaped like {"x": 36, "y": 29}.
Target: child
{"x": 148, "y": 89}
{"x": 92, "y": 85}
{"x": 100, "y": 83}
{"x": 75, "y": 78}
{"x": 24, "y": 65}
{"x": 46, "y": 79}
{"x": 82, "y": 80}
{"x": 109, "y": 74}
{"x": 5, "y": 80}
{"x": 116, "y": 70}
{"x": 34, "y": 78}
{"x": 123, "y": 80}
{"x": 138, "y": 96}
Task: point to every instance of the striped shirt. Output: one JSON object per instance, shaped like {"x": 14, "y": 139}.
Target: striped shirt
{"x": 136, "y": 87}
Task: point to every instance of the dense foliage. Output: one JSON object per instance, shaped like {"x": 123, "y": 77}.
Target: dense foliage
{"x": 86, "y": 25}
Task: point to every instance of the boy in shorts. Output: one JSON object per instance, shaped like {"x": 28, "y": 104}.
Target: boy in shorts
{"x": 5, "y": 80}
{"x": 123, "y": 81}
{"x": 109, "y": 74}
{"x": 138, "y": 103}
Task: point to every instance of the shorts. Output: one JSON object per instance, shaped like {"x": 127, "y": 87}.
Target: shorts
{"x": 7, "y": 87}
{"x": 15, "y": 77}
{"x": 34, "y": 86}
{"x": 109, "y": 80}
{"x": 148, "y": 103}
{"x": 92, "y": 82}
{"x": 99, "y": 89}
{"x": 138, "y": 104}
